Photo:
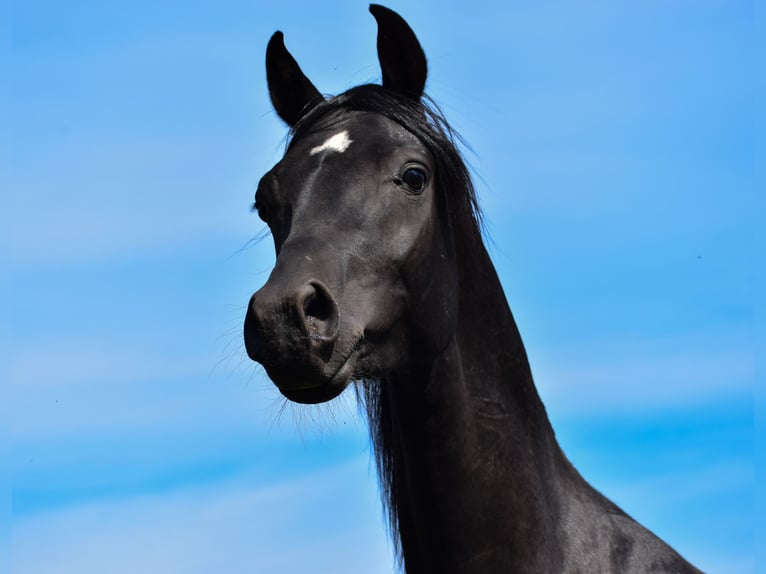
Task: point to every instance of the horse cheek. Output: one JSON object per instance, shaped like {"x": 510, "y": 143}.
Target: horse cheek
{"x": 432, "y": 287}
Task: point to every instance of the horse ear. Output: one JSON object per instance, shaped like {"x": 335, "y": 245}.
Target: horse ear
{"x": 292, "y": 93}
{"x": 401, "y": 58}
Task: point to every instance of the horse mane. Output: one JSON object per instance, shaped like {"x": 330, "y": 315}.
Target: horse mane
{"x": 457, "y": 200}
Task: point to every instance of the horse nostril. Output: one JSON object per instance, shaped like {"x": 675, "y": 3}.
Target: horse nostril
{"x": 317, "y": 309}
{"x": 319, "y": 312}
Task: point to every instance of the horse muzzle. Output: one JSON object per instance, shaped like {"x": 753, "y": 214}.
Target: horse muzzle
{"x": 293, "y": 334}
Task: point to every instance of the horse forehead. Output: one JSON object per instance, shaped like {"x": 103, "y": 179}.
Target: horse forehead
{"x": 359, "y": 132}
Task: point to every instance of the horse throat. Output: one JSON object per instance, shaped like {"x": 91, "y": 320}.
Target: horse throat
{"x": 473, "y": 465}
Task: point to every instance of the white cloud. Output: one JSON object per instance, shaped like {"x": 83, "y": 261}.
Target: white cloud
{"x": 46, "y": 235}
{"x": 85, "y": 362}
{"x": 657, "y": 500}
{"x": 635, "y": 378}
{"x": 329, "y": 521}
{"x": 686, "y": 485}
{"x": 85, "y": 388}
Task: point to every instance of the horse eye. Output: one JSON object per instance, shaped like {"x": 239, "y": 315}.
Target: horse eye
{"x": 415, "y": 179}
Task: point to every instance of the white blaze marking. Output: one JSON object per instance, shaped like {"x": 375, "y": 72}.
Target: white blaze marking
{"x": 339, "y": 142}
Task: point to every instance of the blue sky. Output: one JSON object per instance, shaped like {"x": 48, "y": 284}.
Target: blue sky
{"x": 613, "y": 144}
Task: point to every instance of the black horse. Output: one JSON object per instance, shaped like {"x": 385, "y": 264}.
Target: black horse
{"x": 382, "y": 279}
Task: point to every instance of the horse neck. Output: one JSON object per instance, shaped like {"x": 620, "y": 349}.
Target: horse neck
{"x": 476, "y": 464}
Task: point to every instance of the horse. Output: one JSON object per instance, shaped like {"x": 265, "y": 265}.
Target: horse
{"x": 382, "y": 282}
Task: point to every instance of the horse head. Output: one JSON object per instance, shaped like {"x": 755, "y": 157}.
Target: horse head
{"x": 364, "y": 282}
